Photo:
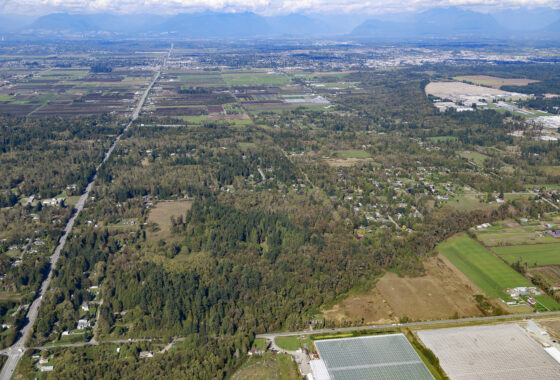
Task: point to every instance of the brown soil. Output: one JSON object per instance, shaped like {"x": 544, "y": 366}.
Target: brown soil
{"x": 161, "y": 215}
{"x": 348, "y": 162}
{"x": 444, "y": 292}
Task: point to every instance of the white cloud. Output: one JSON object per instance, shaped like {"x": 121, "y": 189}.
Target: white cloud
{"x": 259, "y": 6}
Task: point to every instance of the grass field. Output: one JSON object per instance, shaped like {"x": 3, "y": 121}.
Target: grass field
{"x": 533, "y": 255}
{"x": 516, "y": 236}
{"x": 268, "y": 366}
{"x": 468, "y": 201}
{"x": 260, "y": 344}
{"x": 162, "y": 213}
{"x": 289, "y": 343}
{"x": 438, "y": 139}
{"x": 477, "y": 158}
{"x": 487, "y": 271}
{"x": 255, "y": 79}
{"x": 352, "y": 153}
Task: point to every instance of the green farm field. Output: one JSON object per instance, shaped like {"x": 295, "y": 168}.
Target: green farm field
{"x": 255, "y": 79}
{"x": 487, "y": 271}
{"x": 533, "y": 255}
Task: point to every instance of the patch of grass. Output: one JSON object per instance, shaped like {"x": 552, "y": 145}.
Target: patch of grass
{"x": 477, "y": 158}
{"x": 466, "y": 202}
{"x": 268, "y": 366}
{"x": 246, "y": 145}
{"x": 487, "y": 271}
{"x": 352, "y": 153}
{"x": 438, "y": 139}
{"x": 260, "y": 344}
{"x": 288, "y": 343}
{"x": 162, "y": 213}
{"x": 255, "y": 79}
{"x": 533, "y": 255}
{"x": 517, "y": 237}
{"x": 547, "y": 303}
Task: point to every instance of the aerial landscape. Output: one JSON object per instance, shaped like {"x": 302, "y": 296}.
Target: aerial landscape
{"x": 322, "y": 190}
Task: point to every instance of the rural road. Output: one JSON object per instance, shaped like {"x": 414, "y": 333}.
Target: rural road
{"x": 411, "y": 324}
{"x": 16, "y": 351}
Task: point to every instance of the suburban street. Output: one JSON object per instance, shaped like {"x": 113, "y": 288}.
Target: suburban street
{"x": 16, "y": 351}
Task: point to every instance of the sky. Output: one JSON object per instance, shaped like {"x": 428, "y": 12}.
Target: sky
{"x": 265, "y": 7}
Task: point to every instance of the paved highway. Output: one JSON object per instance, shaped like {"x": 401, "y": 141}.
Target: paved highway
{"x": 16, "y": 351}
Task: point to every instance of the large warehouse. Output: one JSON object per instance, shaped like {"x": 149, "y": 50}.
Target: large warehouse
{"x": 381, "y": 357}
{"x": 490, "y": 352}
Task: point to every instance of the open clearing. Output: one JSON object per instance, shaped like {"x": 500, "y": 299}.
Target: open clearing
{"x": 442, "y": 293}
{"x": 467, "y": 201}
{"x": 495, "y": 82}
{"x": 525, "y": 235}
{"x": 484, "y": 269}
{"x": 352, "y": 153}
{"x": 490, "y": 352}
{"x": 346, "y": 163}
{"x": 533, "y": 255}
{"x": 268, "y": 367}
{"x": 454, "y": 89}
{"x": 162, "y": 213}
{"x": 477, "y": 158}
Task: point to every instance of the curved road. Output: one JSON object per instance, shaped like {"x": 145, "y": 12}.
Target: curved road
{"x": 16, "y": 351}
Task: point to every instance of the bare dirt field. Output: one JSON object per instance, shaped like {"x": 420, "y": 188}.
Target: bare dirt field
{"x": 496, "y": 82}
{"x": 161, "y": 215}
{"x": 369, "y": 307}
{"x": 552, "y": 326}
{"x": 454, "y": 89}
{"x": 442, "y": 293}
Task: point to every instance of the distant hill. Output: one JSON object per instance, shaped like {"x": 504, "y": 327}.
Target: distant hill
{"x": 449, "y": 22}
{"x": 437, "y": 22}
{"x": 64, "y": 22}
{"x": 212, "y": 25}
{"x": 59, "y": 22}
{"x": 523, "y": 19}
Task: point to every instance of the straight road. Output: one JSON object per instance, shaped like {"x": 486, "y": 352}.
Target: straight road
{"x": 16, "y": 351}
{"x": 411, "y": 324}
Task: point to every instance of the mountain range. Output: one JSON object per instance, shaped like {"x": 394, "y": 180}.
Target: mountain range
{"x": 452, "y": 22}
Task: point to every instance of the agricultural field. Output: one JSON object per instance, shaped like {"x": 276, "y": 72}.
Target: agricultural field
{"x": 235, "y": 79}
{"x": 73, "y": 92}
{"x": 494, "y": 82}
{"x": 534, "y": 254}
{"x": 456, "y": 89}
{"x": 511, "y": 233}
{"x": 485, "y": 270}
{"x": 442, "y": 293}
